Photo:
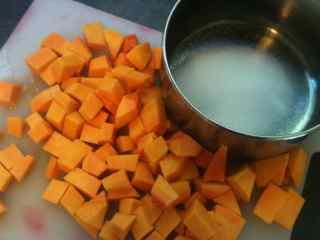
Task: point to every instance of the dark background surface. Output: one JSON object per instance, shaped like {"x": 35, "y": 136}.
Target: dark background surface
{"x": 153, "y": 13}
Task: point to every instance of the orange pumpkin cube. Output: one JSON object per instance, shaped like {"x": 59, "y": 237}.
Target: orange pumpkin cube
{"x": 127, "y": 162}
{"x": 129, "y": 42}
{"x": 104, "y": 151}
{"x": 86, "y": 183}
{"x": 65, "y": 101}
{"x": 143, "y": 178}
{"x": 71, "y": 200}
{"x": 155, "y": 151}
{"x": 79, "y": 48}
{"x": 124, "y": 223}
{"x": 94, "y": 165}
{"x": 99, "y": 66}
{"x": 157, "y": 58}
{"x": 190, "y": 171}
{"x": 125, "y": 144}
{"x": 163, "y": 193}
{"x": 79, "y": 91}
{"x": 242, "y": 183}
{"x": 171, "y": 167}
{"x": 167, "y": 222}
{"x": 271, "y": 201}
{"x": 149, "y": 70}
{"x": 40, "y": 129}
{"x": 127, "y": 110}
{"x": 90, "y": 107}
{"x": 55, "y": 42}
{"x": 130, "y": 78}
{"x": 72, "y": 125}
{"x": 5, "y": 178}
{"x": 91, "y": 82}
{"x": 204, "y": 158}
{"x": 183, "y": 189}
{"x": 68, "y": 82}
{"x": 217, "y": 167}
{"x": 56, "y": 115}
{"x": 56, "y": 144}
{"x": 213, "y": 190}
{"x": 99, "y": 119}
{"x": 121, "y": 60}
{"x": 114, "y": 41}
{"x": 55, "y": 191}
{"x": 109, "y": 231}
{"x": 229, "y": 201}
{"x": 136, "y": 129}
{"x": 41, "y": 102}
{"x": 128, "y": 205}
{"x": 109, "y": 105}
{"x": 97, "y": 135}
{"x": 149, "y": 94}
{"x": 94, "y": 35}
{"x": 112, "y": 89}
{"x": 195, "y": 196}
{"x": 52, "y": 170}
{"x": 116, "y": 181}
{"x": 140, "y": 55}
{"x": 9, "y": 93}
{"x": 297, "y": 165}
{"x": 183, "y": 145}
{"x": 15, "y": 126}
{"x": 152, "y": 209}
{"x": 141, "y": 226}
{"x": 40, "y": 59}
{"x": 144, "y": 141}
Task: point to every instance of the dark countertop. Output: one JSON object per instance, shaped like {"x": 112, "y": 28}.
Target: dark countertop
{"x": 153, "y": 13}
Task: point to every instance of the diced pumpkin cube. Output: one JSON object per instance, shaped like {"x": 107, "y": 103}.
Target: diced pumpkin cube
{"x": 136, "y": 129}
{"x": 116, "y": 181}
{"x": 109, "y": 105}
{"x": 140, "y": 55}
{"x": 72, "y": 125}
{"x": 204, "y": 158}
{"x": 229, "y": 201}
{"x": 112, "y": 89}
{"x": 127, "y": 110}
{"x": 21, "y": 168}
{"x": 94, "y": 36}
{"x": 99, "y": 66}
{"x": 125, "y": 144}
{"x": 91, "y": 81}
{"x": 93, "y": 212}
{"x": 5, "y": 178}
{"x": 163, "y": 193}
{"x": 128, "y": 205}
{"x": 115, "y": 195}
{"x": 86, "y": 183}
{"x": 124, "y": 223}
{"x": 79, "y": 48}
{"x": 144, "y": 141}
{"x": 90, "y": 107}
{"x": 142, "y": 178}
{"x": 217, "y": 167}
{"x": 40, "y": 59}
{"x": 121, "y": 60}
{"x": 183, "y": 145}
{"x": 152, "y": 209}
{"x": 271, "y": 201}
{"x": 64, "y": 100}
{"x": 104, "y": 151}
{"x": 68, "y": 82}
{"x": 71, "y": 200}
{"x": 109, "y": 231}
{"x": 79, "y": 91}
{"x": 57, "y": 144}
{"x": 52, "y": 170}
{"x": 9, "y": 93}
{"x": 183, "y": 189}
{"x": 190, "y": 171}
{"x": 167, "y": 222}
{"x": 10, "y": 156}
{"x": 129, "y": 42}
{"x": 94, "y": 165}
{"x": 157, "y": 58}
{"x": 130, "y": 78}
{"x": 153, "y": 116}
{"x": 55, "y": 191}
{"x": 288, "y": 214}
{"x": 97, "y": 135}
{"x": 114, "y": 41}
{"x": 271, "y": 170}
{"x": 40, "y": 129}
{"x": 154, "y": 236}
{"x": 99, "y": 119}
{"x": 55, "y": 42}
{"x": 15, "y": 126}
{"x": 141, "y": 226}
{"x": 56, "y": 115}
{"x": 297, "y": 165}
{"x": 149, "y": 94}
{"x": 213, "y": 190}
{"x": 242, "y": 183}
{"x": 195, "y": 196}
{"x": 149, "y": 70}
{"x": 155, "y": 150}
{"x": 41, "y": 102}
{"x": 93, "y": 232}
{"x": 127, "y": 162}
{"x": 48, "y": 76}
{"x": 171, "y": 167}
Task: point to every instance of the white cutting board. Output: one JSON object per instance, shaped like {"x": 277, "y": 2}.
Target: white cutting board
{"x": 28, "y": 217}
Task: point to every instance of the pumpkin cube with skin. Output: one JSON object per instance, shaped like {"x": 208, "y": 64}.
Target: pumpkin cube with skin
{"x": 183, "y": 145}
{"x": 52, "y": 170}
{"x": 128, "y": 205}
{"x": 171, "y": 167}
{"x": 65, "y": 101}
{"x": 114, "y": 41}
{"x": 297, "y": 165}
{"x": 183, "y": 189}
{"x": 141, "y": 226}
{"x": 140, "y": 55}
{"x": 90, "y": 107}
{"x": 99, "y": 119}
{"x": 5, "y": 179}
{"x": 167, "y": 222}
{"x": 55, "y": 191}
{"x": 229, "y": 201}
{"x": 72, "y": 200}
{"x": 136, "y": 129}
{"x": 242, "y": 183}
{"x": 271, "y": 170}
{"x": 15, "y": 126}
{"x": 271, "y": 201}
{"x": 57, "y": 144}
{"x": 94, "y": 35}
{"x": 86, "y": 183}
{"x": 288, "y": 214}
{"x": 41, "y": 102}
{"x": 129, "y": 42}
{"x": 127, "y": 162}
{"x": 130, "y": 78}
{"x": 56, "y": 115}
{"x": 143, "y": 178}
{"x": 79, "y": 91}
{"x": 94, "y": 165}
{"x": 72, "y": 125}
{"x": 40, "y": 129}
{"x": 213, "y": 190}
{"x": 127, "y": 110}
{"x": 9, "y": 93}
{"x": 99, "y": 66}
{"x": 124, "y": 223}
{"x": 104, "y": 151}
{"x": 217, "y": 167}
{"x": 163, "y": 193}
{"x": 112, "y": 89}
{"x": 40, "y": 59}
{"x": 55, "y": 42}
{"x": 125, "y": 144}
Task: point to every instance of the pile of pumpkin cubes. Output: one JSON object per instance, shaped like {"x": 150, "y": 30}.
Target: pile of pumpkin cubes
{"x": 102, "y": 120}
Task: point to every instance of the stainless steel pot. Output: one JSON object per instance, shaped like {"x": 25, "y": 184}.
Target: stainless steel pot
{"x": 299, "y": 20}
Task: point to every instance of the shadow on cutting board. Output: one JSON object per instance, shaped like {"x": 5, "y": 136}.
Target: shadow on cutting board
{"x": 308, "y": 223}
